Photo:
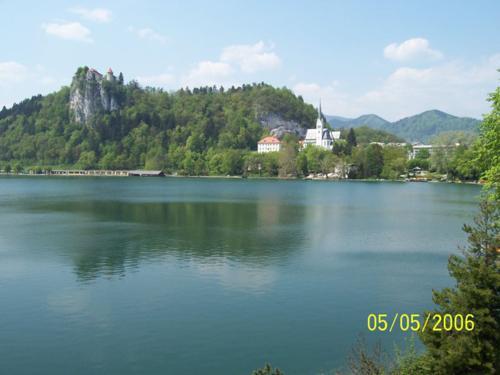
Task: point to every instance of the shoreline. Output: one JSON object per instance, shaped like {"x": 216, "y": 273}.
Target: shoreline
{"x": 237, "y": 177}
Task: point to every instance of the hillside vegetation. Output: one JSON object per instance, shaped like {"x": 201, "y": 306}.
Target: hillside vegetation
{"x": 181, "y": 131}
{"x": 418, "y": 128}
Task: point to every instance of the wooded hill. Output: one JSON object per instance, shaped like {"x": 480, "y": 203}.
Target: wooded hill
{"x": 150, "y": 128}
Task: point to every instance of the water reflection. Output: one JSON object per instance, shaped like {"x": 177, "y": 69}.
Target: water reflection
{"x": 110, "y": 237}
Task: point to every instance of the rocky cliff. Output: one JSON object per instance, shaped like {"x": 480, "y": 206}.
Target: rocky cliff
{"x": 92, "y": 93}
{"x": 278, "y": 126}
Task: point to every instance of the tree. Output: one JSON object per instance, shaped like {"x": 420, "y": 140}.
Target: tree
{"x": 363, "y": 361}
{"x": 340, "y": 147}
{"x": 477, "y": 292}
{"x": 489, "y": 145}
{"x": 394, "y": 162}
{"x": 268, "y": 370}
{"x": 302, "y": 164}
{"x": 288, "y": 159}
{"x": 87, "y": 160}
{"x": 351, "y": 140}
{"x": 369, "y": 160}
{"x": 423, "y": 154}
{"x": 374, "y": 160}
{"x": 18, "y": 168}
{"x": 329, "y": 163}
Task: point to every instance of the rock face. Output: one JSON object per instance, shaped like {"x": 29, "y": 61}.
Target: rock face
{"x": 92, "y": 93}
{"x": 279, "y": 126}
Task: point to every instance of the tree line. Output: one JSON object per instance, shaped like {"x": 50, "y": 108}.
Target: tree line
{"x": 200, "y": 131}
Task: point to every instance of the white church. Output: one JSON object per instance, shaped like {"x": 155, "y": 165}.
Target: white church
{"x": 321, "y": 136}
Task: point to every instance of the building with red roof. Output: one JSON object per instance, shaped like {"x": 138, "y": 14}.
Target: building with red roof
{"x": 269, "y": 144}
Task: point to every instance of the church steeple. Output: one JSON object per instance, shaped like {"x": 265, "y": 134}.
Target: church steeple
{"x": 319, "y": 121}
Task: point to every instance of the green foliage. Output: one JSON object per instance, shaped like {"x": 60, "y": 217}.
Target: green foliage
{"x": 418, "y": 128}
{"x": 341, "y": 148}
{"x": 423, "y": 154}
{"x": 315, "y": 160}
{"x": 288, "y": 157}
{"x": 420, "y": 163}
{"x": 18, "y": 167}
{"x": 488, "y": 152}
{"x": 365, "y": 134}
{"x": 268, "y": 370}
{"x": 453, "y": 137}
{"x": 351, "y": 140}
{"x": 408, "y": 361}
{"x": 462, "y": 165}
{"x": 477, "y": 292}
{"x": 363, "y": 361}
{"x": 369, "y": 161}
{"x": 207, "y": 130}
{"x": 394, "y": 162}
{"x": 426, "y": 125}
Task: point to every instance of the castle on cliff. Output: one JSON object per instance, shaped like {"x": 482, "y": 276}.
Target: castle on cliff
{"x": 92, "y": 92}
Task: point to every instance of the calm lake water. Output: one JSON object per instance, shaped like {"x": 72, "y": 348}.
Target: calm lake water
{"x": 209, "y": 276}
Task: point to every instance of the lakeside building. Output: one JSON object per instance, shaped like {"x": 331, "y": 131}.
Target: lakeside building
{"x": 389, "y": 144}
{"x": 416, "y": 148}
{"x": 321, "y": 136}
{"x": 269, "y": 144}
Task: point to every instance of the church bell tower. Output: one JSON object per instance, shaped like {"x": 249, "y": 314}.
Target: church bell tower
{"x": 319, "y": 127}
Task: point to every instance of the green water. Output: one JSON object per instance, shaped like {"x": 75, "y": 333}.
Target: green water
{"x": 208, "y": 276}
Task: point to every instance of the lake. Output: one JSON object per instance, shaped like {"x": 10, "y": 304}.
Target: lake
{"x": 213, "y": 276}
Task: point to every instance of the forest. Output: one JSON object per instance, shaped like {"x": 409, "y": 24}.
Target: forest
{"x": 203, "y": 131}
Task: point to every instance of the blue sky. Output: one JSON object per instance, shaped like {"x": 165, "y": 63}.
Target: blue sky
{"x": 392, "y": 58}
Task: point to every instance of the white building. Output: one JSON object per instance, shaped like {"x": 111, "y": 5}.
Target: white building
{"x": 321, "y": 136}
{"x": 269, "y": 144}
{"x": 416, "y": 148}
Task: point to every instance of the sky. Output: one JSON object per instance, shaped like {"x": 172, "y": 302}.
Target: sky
{"x": 391, "y": 58}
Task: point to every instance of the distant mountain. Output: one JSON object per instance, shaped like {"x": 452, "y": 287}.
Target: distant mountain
{"x": 417, "y": 128}
{"x": 365, "y": 134}
{"x": 428, "y": 124}
{"x": 371, "y": 120}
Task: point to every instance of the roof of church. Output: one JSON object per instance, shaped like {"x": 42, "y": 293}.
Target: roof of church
{"x": 326, "y": 134}
{"x": 311, "y": 134}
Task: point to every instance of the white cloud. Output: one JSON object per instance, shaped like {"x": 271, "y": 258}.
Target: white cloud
{"x": 47, "y": 80}
{"x": 160, "y": 80}
{"x": 234, "y": 59}
{"x": 97, "y": 14}
{"x": 149, "y": 34}
{"x": 454, "y": 87}
{"x": 251, "y": 58}
{"x": 333, "y": 101}
{"x": 19, "y": 81}
{"x": 12, "y": 72}
{"x": 208, "y": 73}
{"x": 411, "y": 49}
{"x": 68, "y": 30}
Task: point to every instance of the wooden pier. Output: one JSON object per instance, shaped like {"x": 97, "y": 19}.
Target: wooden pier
{"x": 91, "y": 172}
{"x": 99, "y": 172}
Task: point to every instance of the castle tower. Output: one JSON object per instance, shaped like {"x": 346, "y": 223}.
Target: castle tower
{"x": 109, "y": 75}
